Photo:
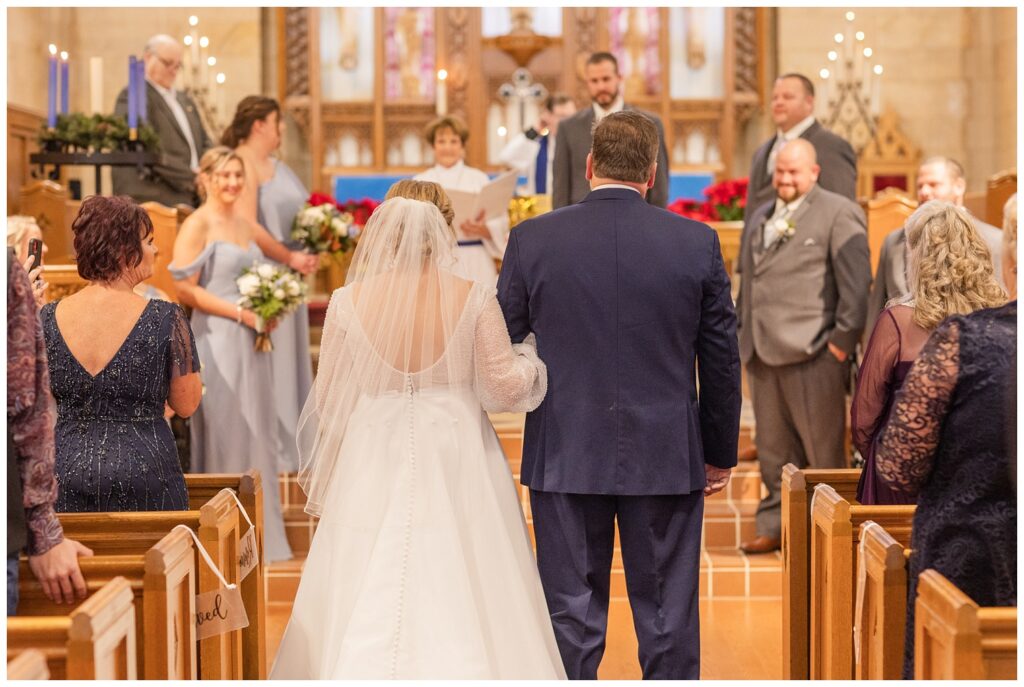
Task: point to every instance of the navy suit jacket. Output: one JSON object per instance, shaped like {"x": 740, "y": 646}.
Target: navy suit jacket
{"x": 629, "y": 302}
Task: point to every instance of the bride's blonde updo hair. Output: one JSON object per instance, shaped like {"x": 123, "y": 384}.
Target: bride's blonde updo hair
{"x": 426, "y": 191}
{"x": 949, "y": 266}
{"x": 212, "y": 161}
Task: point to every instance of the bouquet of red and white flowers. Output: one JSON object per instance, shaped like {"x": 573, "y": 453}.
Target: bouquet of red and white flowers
{"x": 271, "y": 292}
{"x": 321, "y": 227}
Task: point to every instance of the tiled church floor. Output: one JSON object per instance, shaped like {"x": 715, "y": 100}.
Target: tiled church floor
{"x": 741, "y": 605}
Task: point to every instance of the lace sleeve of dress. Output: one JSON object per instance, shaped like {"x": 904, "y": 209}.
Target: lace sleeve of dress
{"x": 907, "y": 448}
{"x": 182, "y": 354}
{"x": 873, "y": 381}
{"x": 30, "y": 413}
{"x": 509, "y": 378}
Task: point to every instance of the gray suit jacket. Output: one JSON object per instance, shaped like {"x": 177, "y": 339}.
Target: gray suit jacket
{"x": 891, "y": 276}
{"x": 798, "y": 295}
{"x": 575, "y": 137}
{"x": 836, "y": 158}
{"x": 170, "y": 181}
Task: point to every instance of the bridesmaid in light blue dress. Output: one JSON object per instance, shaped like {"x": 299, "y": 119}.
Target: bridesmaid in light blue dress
{"x": 235, "y": 428}
{"x": 272, "y": 197}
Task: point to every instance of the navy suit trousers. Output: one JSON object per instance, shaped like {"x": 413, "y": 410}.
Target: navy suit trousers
{"x": 660, "y": 540}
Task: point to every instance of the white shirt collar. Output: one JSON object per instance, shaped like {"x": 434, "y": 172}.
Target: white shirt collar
{"x": 791, "y": 206}
{"x": 617, "y": 106}
{"x": 598, "y": 188}
{"x": 797, "y": 130}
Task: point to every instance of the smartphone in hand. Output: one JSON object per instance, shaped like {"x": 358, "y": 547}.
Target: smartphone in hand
{"x": 35, "y": 252}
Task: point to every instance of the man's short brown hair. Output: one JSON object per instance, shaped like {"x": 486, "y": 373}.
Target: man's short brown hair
{"x": 452, "y": 122}
{"x": 625, "y": 146}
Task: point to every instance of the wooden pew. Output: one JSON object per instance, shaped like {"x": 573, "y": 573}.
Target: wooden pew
{"x": 165, "y": 231}
{"x": 217, "y": 526}
{"x": 28, "y": 665}
{"x": 49, "y": 203}
{"x": 95, "y": 642}
{"x": 882, "y": 611}
{"x": 955, "y": 639}
{"x": 163, "y": 582}
{"x": 886, "y": 212}
{"x": 835, "y": 529}
{"x": 249, "y": 487}
{"x": 797, "y": 487}
{"x": 998, "y": 189}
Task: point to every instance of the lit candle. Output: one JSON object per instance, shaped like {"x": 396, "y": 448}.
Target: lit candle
{"x": 143, "y": 109}
{"x": 51, "y": 102}
{"x": 442, "y": 92}
{"x": 133, "y": 94}
{"x": 193, "y": 43}
{"x": 96, "y": 85}
{"x": 203, "y": 75}
{"x": 221, "y": 105}
{"x": 64, "y": 82}
{"x": 876, "y": 90}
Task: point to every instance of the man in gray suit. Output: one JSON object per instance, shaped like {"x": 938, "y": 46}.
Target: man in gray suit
{"x": 802, "y": 303}
{"x": 938, "y": 178}
{"x": 574, "y": 140}
{"x": 174, "y": 116}
{"x": 793, "y": 114}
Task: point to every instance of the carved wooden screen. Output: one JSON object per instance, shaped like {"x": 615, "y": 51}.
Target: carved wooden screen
{"x": 379, "y": 131}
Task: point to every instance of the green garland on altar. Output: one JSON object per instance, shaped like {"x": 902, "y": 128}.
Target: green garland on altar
{"x": 95, "y": 134}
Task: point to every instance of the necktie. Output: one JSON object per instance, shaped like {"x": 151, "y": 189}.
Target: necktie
{"x": 541, "y": 175}
{"x": 770, "y": 232}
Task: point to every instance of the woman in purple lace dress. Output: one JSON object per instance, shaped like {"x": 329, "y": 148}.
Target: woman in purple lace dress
{"x": 951, "y": 444}
{"x": 949, "y": 271}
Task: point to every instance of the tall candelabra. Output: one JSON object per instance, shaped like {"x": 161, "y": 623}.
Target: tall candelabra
{"x": 851, "y": 86}
{"x": 201, "y": 79}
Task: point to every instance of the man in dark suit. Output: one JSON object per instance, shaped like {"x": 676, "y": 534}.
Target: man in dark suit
{"x": 574, "y": 136}
{"x": 938, "y": 178}
{"x": 174, "y": 116}
{"x": 802, "y": 304}
{"x": 793, "y": 114}
{"x": 629, "y": 303}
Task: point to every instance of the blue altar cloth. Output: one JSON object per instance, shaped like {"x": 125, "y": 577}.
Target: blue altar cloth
{"x": 375, "y": 186}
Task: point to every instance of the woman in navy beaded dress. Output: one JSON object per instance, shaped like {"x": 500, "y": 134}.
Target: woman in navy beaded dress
{"x": 115, "y": 360}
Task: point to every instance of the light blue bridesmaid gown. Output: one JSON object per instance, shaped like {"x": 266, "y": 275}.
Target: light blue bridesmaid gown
{"x": 280, "y": 199}
{"x": 235, "y": 428}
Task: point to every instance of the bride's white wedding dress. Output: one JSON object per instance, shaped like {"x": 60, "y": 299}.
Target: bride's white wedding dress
{"x": 421, "y": 566}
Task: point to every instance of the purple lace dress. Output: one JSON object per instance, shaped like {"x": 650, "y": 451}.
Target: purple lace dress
{"x": 894, "y": 344}
{"x": 950, "y": 441}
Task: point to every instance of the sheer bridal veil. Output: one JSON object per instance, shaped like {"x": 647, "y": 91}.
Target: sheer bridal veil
{"x": 390, "y": 330}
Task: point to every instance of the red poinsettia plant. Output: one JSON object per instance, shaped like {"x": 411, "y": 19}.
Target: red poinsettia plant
{"x": 725, "y": 202}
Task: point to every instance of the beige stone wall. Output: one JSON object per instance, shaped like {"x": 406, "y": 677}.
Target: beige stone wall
{"x": 950, "y": 73}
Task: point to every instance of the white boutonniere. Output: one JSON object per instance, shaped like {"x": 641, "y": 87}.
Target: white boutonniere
{"x": 784, "y": 229}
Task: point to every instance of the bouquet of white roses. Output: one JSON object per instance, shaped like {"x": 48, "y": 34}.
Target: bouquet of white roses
{"x": 322, "y": 228}
{"x": 270, "y": 292}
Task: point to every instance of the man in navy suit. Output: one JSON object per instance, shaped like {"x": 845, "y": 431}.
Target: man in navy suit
{"x": 629, "y": 304}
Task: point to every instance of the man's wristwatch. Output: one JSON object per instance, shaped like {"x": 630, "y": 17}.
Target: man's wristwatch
{"x": 532, "y": 134}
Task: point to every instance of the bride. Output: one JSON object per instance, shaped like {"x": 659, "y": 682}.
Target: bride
{"x": 421, "y": 565}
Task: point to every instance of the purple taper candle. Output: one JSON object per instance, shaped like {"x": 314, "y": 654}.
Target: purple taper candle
{"x": 133, "y": 105}
{"x": 140, "y": 83}
{"x": 64, "y": 83}
{"x": 51, "y": 104}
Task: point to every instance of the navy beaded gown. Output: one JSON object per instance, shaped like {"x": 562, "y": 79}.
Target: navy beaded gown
{"x": 114, "y": 449}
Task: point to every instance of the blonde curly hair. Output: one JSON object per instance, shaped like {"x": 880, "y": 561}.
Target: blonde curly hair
{"x": 950, "y": 268}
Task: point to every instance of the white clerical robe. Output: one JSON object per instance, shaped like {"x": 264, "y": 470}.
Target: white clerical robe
{"x": 476, "y": 260}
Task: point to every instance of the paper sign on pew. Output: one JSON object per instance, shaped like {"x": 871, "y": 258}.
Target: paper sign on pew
{"x": 220, "y": 610}
{"x": 249, "y": 554}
